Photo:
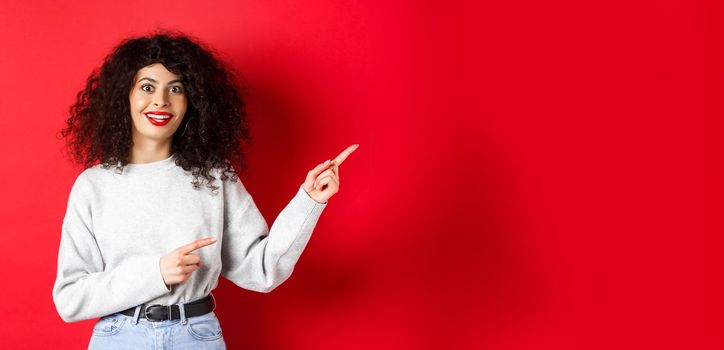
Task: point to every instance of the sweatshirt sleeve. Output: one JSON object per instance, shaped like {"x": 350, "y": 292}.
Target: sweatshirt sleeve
{"x": 255, "y": 258}
{"x": 83, "y": 289}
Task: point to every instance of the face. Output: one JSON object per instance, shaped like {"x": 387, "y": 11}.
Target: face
{"x": 158, "y": 103}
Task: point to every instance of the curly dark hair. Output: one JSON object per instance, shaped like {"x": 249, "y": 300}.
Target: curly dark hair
{"x": 215, "y": 123}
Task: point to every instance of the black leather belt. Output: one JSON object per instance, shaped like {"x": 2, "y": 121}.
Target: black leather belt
{"x": 171, "y": 312}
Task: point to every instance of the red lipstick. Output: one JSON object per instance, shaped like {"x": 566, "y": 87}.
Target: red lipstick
{"x": 159, "y": 118}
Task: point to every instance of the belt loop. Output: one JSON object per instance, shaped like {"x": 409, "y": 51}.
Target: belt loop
{"x": 136, "y": 314}
{"x": 214, "y": 300}
{"x": 182, "y": 311}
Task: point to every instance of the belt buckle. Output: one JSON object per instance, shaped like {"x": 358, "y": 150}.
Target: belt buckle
{"x": 157, "y": 315}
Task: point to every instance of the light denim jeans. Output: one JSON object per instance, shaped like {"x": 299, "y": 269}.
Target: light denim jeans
{"x": 119, "y": 331}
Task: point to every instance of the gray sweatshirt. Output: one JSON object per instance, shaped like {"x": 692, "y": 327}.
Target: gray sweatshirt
{"x": 118, "y": 226}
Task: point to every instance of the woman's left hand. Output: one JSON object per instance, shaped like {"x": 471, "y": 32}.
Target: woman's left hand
{"x": 322, "y": 182}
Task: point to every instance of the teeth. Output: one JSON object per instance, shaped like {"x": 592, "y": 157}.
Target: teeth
{"x": 154, "y": 116}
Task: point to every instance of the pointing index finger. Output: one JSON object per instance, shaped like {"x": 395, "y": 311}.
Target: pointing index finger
{"x": 196, "y": 245}
{"x": 342, "y": 156}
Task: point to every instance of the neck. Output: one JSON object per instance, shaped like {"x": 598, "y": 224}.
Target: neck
{"x": 149, "y": 151}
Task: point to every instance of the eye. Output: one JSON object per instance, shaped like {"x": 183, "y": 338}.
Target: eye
{"x": 177, "y": 89}
{"x": 144, "y": 86}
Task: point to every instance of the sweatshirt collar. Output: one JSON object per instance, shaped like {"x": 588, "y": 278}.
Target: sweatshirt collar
{"x": 152, "y": 167}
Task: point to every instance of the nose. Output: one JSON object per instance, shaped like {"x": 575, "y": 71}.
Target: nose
{"x": 160, "y": 99}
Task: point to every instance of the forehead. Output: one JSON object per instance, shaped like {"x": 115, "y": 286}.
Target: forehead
{"x": 156, "y": 72}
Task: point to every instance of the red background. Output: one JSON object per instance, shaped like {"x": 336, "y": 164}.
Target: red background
{"x": 531, "y": 175}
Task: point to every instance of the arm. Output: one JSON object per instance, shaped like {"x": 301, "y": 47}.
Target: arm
{"x": 83, "y": 288}
{"x": 255, "y": 258}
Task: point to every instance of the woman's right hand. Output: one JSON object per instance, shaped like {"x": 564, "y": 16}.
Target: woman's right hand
{"x": 178, "y": 265}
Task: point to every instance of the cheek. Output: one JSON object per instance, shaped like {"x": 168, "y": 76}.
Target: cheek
{"x": 137, "y": 102}
{"x": 181, "y": 105}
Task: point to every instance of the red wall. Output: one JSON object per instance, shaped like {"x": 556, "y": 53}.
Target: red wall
{"x": 531, "y": 175}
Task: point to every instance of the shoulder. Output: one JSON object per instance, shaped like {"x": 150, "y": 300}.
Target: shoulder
{"x": 228, "y": 180}
{"x": 95, "y": 175}
{"x": 82, "y": 189}
{"x": 90, "y": 180}
{"x": 232, "y": 187}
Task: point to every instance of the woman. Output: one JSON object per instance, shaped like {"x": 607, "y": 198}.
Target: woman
{"x": 143, "y": 242}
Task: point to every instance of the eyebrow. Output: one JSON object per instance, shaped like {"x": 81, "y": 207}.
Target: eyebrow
{"x": 155, "y": 81}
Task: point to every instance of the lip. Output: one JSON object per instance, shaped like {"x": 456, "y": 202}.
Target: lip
{"x": 158, "y": 122}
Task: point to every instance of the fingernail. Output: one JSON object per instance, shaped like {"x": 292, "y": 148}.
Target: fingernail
{"x": 326, "y": 162}
{"x": 213, "y": 239}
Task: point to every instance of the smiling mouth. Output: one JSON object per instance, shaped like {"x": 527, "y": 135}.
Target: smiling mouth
{"x": 158, "y": 120}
